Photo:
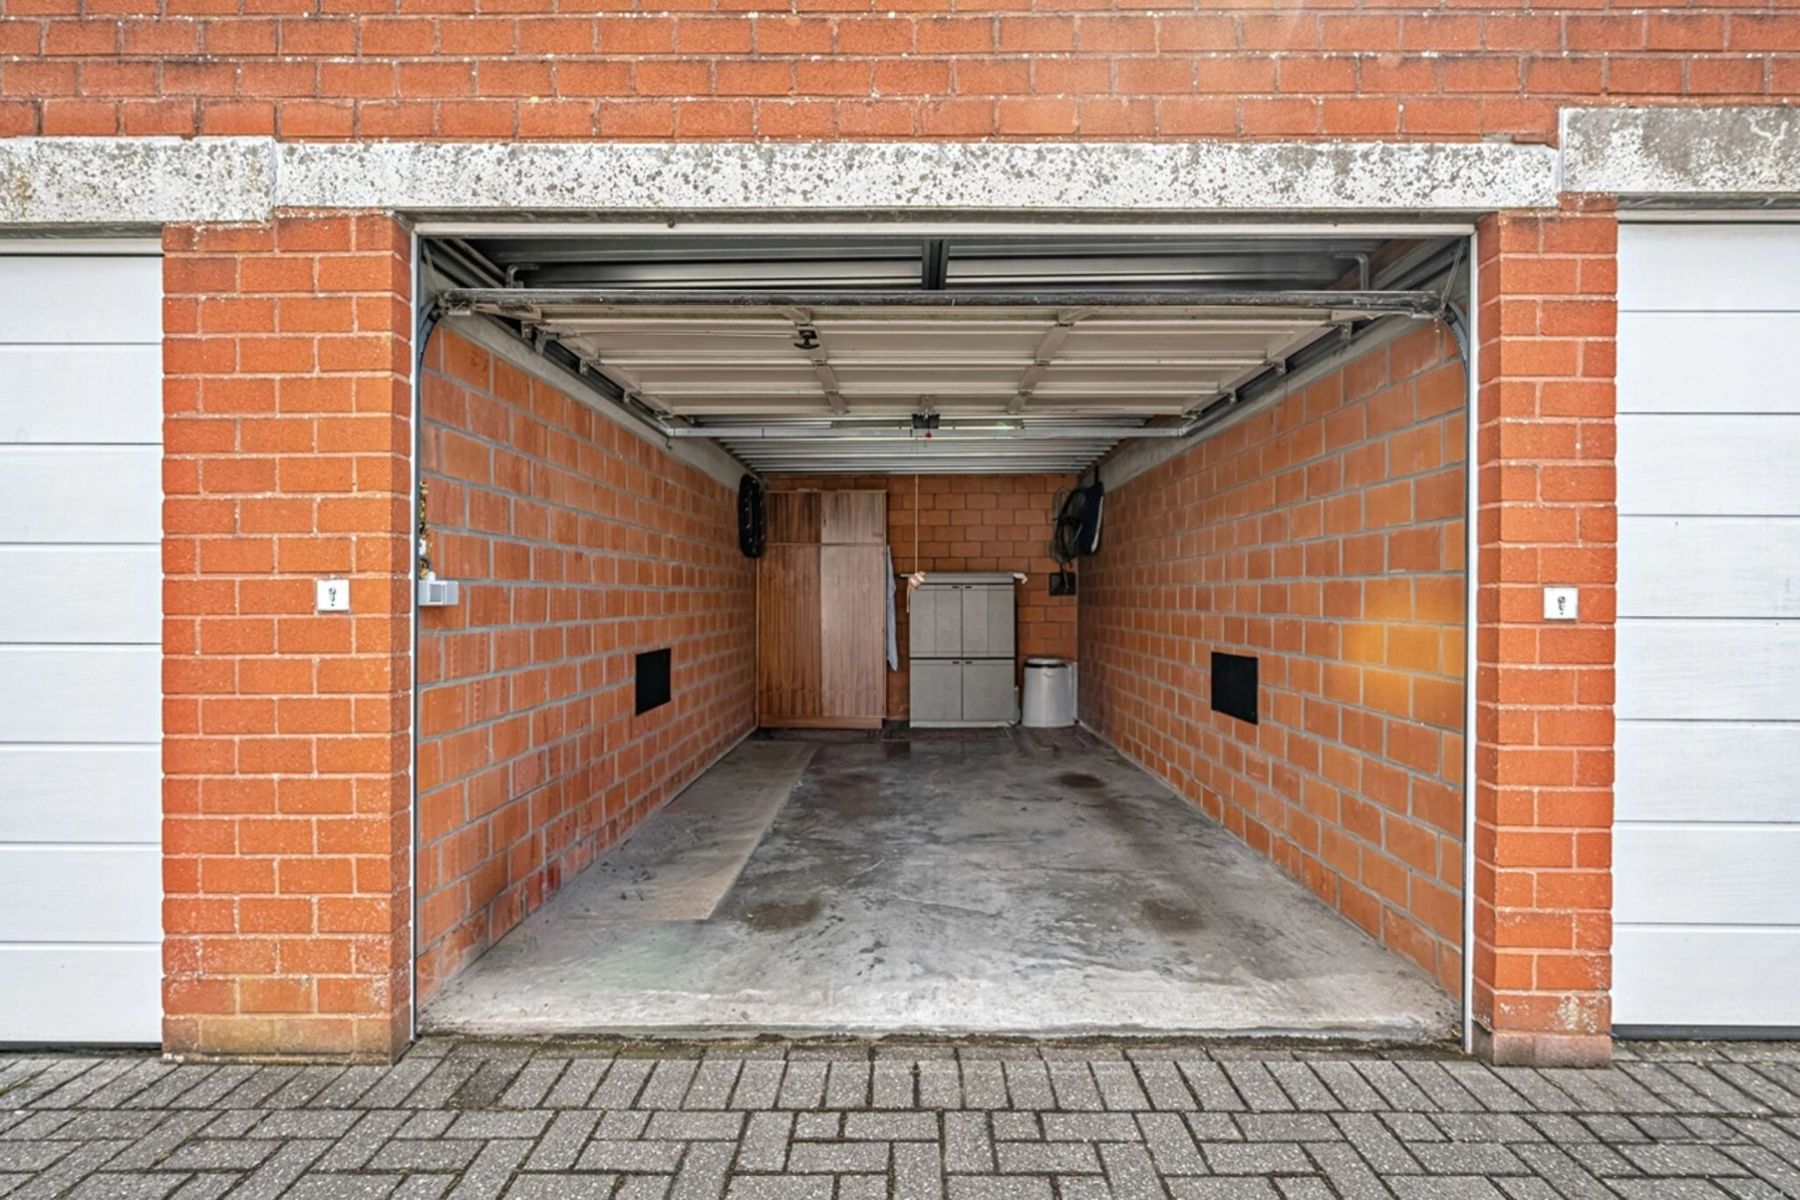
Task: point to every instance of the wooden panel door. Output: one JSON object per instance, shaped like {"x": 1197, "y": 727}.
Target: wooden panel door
{"x": 792, "y": 517}
{"x": 858, "y": 518}
{"x": 787, "y": 635}
{"x": 853, "y": 631}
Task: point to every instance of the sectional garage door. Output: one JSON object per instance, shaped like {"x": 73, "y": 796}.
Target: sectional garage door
{"x": 1707, "y": 849}
{"x": 80, "y": 632}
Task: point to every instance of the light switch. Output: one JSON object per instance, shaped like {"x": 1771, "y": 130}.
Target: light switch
{"x": 1562, "y": 604}
{"x": 333, "y": 595}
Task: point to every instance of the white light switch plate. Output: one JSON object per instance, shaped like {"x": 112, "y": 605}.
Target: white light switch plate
{"x": 333, "y": 595}
{"x": 1562, "y": 604}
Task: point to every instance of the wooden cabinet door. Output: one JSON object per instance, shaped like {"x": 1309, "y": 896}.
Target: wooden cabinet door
{"x": 854, "y": 518}
{"x": 853, "y": 630}
{"x": 788, "y": 675}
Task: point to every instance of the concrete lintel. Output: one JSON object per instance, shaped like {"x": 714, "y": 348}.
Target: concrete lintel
{"x": 1237, "y": 177}
{"x": 135, "y": 181}
{"x": 1676, "y": 152}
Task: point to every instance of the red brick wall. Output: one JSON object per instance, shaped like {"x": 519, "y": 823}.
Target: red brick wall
{"x": 578, "y": 544}
{"x": 538, "y": 69}
{"x": 970, "y": 523}
{"x": 1544, "y": 757}
{"x": 286, "y": 443}
{"x": 1325, "y": 536}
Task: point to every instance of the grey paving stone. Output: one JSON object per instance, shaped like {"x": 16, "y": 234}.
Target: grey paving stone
{"x": 703, "y": 1172}
{"x": 968, "y": 1146}
{"x": 713, "y": 1084}
{"x": 999, "y": 1187}
{"x": 330, "y": 1185}
{"x": 779, "y": 1187}
{"x": 819, "y": 1158}
{"x": 561, "y": 1144}
{"x": 765, "y": 1144}
{"x": 816, "y": 1125}
{"x": 892, "y": 1085}
{"x": 1130, "y": 1173}
{"x": 1170, "y": 1144}
{"x": 918, "y": 1171}
{"x": 802, "y": 1085}
{"x": 637, "y": 1157}
{"x": 695, "y": 1126}
{"x": 1046, "y": 1158}
{"x": 891, "y": 1126}
{"x": 561, "y": 1186}
{"x": 1009, "y": 1126}
{"x": 758, "y": 1085}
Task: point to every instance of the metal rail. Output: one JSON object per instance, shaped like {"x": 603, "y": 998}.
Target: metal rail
{"x": 527, "y": 302}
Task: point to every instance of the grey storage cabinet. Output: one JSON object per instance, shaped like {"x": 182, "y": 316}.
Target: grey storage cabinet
{"x": 961, "y": 645}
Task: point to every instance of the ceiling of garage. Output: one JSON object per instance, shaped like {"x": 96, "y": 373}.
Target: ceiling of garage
{"x": 822, "y": 353}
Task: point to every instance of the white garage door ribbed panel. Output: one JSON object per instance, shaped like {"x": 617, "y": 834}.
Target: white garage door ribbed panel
{"x": 1707, "y": 842}
{"x": 80, "y": 645}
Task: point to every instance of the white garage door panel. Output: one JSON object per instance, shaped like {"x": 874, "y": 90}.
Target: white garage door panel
{"x": 1695, "y": 465}
{"x": 1708, "y": 670}
{"x": 77, "y": 793}
{"x": 1706, "y": 848}
{"x": 80, "y": 594}
{"x": 1706, "y": 875}
{"x": 80, "y": 994}
{"x": 59, "y": 300}
{"x": 1671, "y": 976}
{"x": 94, "y": 394}
{"x": 1727, "y": 770}
{"x": 1708, "y": 268}
{"x": 1705, "y": 362}
{"x": 1709, "y": 567}
{"x": 81, "y": 694}
{"x": 74, "y": 893}
{"x": 80, "y": 660}
{"x": 80, "y": 494}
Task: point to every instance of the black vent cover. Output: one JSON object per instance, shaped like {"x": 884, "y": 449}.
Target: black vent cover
{"x": 1234, "y": 685}
{"x": 653, "y": 679}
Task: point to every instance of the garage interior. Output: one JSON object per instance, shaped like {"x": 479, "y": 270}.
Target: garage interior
{"x": 667, "y": 786}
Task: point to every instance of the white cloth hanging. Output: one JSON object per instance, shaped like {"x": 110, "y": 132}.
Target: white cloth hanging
{"x": 893, "y": 624}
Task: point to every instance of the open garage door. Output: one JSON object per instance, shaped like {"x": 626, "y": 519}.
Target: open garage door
{"x": 929, "y": 865}
{"x": 863, "y": 354}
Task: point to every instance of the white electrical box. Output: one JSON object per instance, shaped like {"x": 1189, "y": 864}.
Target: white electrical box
{"x": 1562, "y": 604}
{"x": 439, "y": 593}
{"x": 332, "y": 595}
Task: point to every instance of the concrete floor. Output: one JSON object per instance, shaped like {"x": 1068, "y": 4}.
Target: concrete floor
{"x": 1028, "y": 883}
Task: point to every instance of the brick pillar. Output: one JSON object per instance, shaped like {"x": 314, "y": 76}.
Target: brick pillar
{"x": 286, "y": 803}
{"x": 1544, "y": 690}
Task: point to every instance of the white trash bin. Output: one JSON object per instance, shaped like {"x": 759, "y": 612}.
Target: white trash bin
{"x": 1049, "y": 693}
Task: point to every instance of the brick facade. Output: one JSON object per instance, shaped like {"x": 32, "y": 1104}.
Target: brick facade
{"x": 578, "y": 544}
{"x": 1325, "y": 536}
{"x": 286, "y": 801}
{"x": 1119, "y": 69}
{"x": 970, "y": 523}
{"x": 1544, "y": 693}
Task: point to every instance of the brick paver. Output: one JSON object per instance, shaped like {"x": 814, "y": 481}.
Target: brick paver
{"x": 912, "y": 1121}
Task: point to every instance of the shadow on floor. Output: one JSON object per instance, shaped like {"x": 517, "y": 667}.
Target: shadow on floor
{"x": 1031, "y": 882}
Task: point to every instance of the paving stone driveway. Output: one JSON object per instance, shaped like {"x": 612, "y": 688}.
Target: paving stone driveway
{"x": 967, "y": 1122}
